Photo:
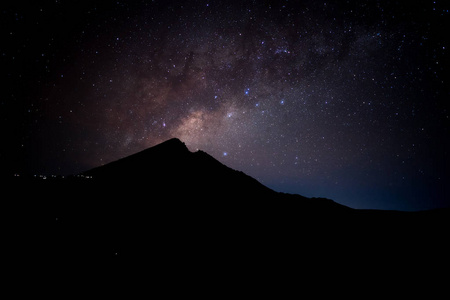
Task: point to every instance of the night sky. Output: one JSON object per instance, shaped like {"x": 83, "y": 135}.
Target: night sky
{"x": 347, "y": 100}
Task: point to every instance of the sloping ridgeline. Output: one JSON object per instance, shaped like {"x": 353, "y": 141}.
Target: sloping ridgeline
{"x": 178, "y": 214}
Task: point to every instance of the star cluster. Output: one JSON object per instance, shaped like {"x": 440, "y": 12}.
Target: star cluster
{"x": 340, "y": 99}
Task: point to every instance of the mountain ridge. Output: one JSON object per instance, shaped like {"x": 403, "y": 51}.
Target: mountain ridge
{"x": 170, "y": 165}
{"x": 192, "y": 213}
{"x": 171, "y": 172}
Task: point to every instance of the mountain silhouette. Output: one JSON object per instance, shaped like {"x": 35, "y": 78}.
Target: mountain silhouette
{"x": 183, "y": 216}
{"x": 171, "y": 170}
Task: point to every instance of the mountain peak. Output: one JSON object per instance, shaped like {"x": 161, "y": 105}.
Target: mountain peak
{"x": 170, "y": 148}
{"x": 154, "y": 159}
{"x": 173, "y": 141}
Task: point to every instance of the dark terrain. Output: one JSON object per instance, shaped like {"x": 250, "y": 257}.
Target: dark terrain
{"x": 171, "y": 213}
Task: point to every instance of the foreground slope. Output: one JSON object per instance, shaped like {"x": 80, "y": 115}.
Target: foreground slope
{"x": 170, "y": 212}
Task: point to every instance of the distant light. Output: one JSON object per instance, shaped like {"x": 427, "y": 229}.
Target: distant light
{"x": 225, "y": 154}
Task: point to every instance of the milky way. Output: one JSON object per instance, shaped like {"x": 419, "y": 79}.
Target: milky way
{"x": 340, "y": 100}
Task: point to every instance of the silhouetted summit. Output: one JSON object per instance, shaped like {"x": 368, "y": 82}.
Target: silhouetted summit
{"x": 171, "y": 168}
{"x": 145, "y": 164}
